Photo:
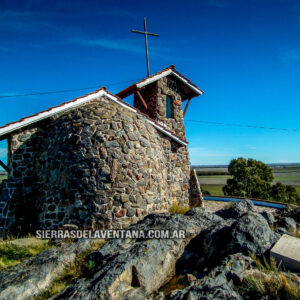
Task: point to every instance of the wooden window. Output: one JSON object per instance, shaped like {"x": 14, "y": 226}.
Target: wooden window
{"x": 169, "y": 107}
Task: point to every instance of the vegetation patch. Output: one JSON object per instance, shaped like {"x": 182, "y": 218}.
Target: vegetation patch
{"x": 12, "y": 252}
{"x": 80, "y": 267}
{"x": 178, "y": 209}
{"x": 267, "y": 282}
{"x": 262, "y": 285}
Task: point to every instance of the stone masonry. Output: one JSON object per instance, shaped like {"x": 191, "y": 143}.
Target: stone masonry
{"x": 100, "y": 163}
{"x": 97, "y": 165}
{"x": 156, "y": 94}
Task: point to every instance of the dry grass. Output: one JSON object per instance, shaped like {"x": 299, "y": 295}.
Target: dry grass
{"x": 75, "y": 270}
{"x": 260, "y": 285}
{"x": 178, "y": 209}
{"x": 267, "y": 282}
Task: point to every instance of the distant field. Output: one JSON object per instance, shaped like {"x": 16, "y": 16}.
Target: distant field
{"x": 213, "y": 189}
{"x": 2, "y": 177}
{"x": 214, "y": 183}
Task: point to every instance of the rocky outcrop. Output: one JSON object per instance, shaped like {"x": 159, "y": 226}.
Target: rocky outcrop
{"x": 287, "y": 223}
{"x": 293, "y": 213}
{"x": 251, "y": 233}
{"x": 237, "y": 210}
{"x": 247, "y": 232}
{"x": 32, "y": 276}
{"x": 212, "y": 257}
{"x": 269, "y": 217}
{"x": 218, "y": 284}
{"x": 122, "y": 266}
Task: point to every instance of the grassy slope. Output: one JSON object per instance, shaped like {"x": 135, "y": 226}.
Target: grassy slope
{"x": 12, "y": 252}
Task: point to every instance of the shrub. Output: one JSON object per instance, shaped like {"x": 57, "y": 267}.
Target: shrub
{"x": 178, "y": 209}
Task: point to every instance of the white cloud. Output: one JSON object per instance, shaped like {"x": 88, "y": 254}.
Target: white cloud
{"x": 23, "y": 21}
{"x": 131, "y": 45}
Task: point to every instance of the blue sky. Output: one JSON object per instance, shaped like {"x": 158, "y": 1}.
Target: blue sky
{"x": 245, "y": 55}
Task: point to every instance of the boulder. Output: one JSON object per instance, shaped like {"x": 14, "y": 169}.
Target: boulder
{"x": 137, "y": 267}
{"x": 210, "y": 246}
{"x": 288, "y": 223}
{"x": 251, "y": 233}
{"x": 218, "y": 284}
{"x": 209, "y": 289}
{"x": 281, "y": 231}
{"x": 233, "y": 267}
{"x": 269, "y": 217}
{"x": 237, "y": 209}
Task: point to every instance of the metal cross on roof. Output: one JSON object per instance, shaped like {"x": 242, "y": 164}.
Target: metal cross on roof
{"x": 146, "y": 42}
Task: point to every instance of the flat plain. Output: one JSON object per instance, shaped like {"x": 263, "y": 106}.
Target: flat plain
{"x": 289, "y": 175}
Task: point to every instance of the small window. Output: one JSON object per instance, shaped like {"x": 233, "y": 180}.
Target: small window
{"x": 169, "y": 108}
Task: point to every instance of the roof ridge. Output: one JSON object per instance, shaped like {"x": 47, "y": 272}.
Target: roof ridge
{"x": 156, "y": 124}
{"x": 135, "y": 86}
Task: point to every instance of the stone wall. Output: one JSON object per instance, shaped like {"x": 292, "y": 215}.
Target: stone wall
{"x": 9, "y": 196}
{"x": 99, "y": 165}
{"x": 155, "y": 96}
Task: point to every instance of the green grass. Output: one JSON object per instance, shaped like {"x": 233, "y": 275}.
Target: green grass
{"x": 213, "y": 183}
{"x": 12, "y": 252}
{"x": 216, "y": 189}
{"x": 213, "y": 189}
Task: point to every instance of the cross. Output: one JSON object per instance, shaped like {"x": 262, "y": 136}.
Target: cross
{"x": 146, "y": 42}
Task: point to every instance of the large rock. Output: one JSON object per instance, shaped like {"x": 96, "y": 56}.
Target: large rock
{"x": 218, "y": 284}
{"x": 33, "y": 275}
{"x": 237, "y": 210}
{"x": 251, "y": 233}
{"x": 211, "y": 289}
{"x": 135, "y": 266}
{"x": 288, "y": 223}
{"x": 269, "y": 217}
{"x": 209, "y": 246}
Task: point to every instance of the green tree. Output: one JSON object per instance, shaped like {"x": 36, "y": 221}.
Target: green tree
{"x": 250, "y": 178}
{"x": 284, "y": 193}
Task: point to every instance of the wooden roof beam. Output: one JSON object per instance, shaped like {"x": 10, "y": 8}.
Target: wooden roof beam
{"x": 142, "y": 100}
{"x": 186, "y": 107}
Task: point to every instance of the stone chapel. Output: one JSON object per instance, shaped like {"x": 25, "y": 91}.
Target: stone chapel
{"x": 98, "y": 162}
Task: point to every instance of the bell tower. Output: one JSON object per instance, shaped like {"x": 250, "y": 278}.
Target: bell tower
{"x": 161, "y": 97}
